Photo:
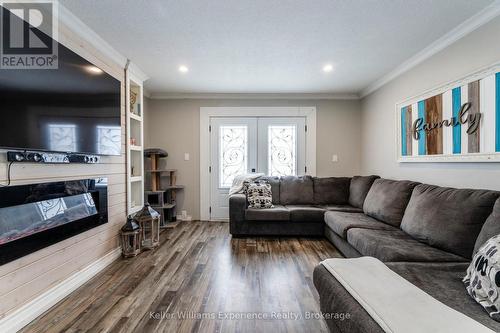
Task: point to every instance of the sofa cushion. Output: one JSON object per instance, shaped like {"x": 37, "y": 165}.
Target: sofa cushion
{"x": 275, "y": 187}
{"x": 331, "y": 190}
{"x": 395, "y": 245}
{"x": 387, "y": 200}
{"x": 490, "y": 228}
{"x": 443, "y": 281}
{"x": 341, "y": 208}
{"x": 296, "y": 190}
{"x": 278, "y": 213}
{"x": 448, "y": 218}
{"x": 304, "y": 213}
{"x": 341, "y": 222}
{"x": 358, "y": 189}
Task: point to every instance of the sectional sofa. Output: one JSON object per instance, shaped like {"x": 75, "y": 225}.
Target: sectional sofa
{"x": 427, "y": 234}
{"x": 300, "y": 204}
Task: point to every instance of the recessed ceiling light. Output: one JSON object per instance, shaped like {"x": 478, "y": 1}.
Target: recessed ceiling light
{"x": 93, "y": 70}
{"x": 183, "y": 69}
{"x": 327, "y": 68}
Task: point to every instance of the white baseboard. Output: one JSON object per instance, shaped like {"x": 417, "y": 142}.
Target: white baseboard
{"x": 22, "y": 316}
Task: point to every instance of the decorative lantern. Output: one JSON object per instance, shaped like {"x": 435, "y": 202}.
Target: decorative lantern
{"x": 149, "y": 221}
{"x": 131, "y": 238}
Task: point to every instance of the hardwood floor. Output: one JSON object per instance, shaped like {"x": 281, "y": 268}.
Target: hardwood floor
{"x": 199, "y": 270}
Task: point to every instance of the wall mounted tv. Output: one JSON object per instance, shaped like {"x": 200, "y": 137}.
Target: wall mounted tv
{"x": 74, "y": 108}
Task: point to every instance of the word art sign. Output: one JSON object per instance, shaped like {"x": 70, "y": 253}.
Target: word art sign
{"x": 459, "y": 122}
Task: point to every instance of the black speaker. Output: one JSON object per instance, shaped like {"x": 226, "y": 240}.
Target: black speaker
{"x": 83, "y": 158}
{"x": 41, "y": 157}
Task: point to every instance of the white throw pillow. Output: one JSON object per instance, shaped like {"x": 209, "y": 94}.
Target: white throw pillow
{"x": 483, "y": 277}
{"x": 259, "y": 194}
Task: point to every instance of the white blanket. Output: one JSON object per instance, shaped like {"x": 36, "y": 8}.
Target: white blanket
{"x": 394, "y": 303}
{"x": 238, "y": 181}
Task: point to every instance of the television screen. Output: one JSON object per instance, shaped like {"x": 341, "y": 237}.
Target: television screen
{"x": 74, "y": 108}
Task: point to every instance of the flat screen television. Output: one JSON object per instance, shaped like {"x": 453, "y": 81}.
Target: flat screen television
{"x": 74, "y": 108}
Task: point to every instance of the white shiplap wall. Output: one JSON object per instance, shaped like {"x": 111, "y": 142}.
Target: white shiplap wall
{"x": 28, "y": 277}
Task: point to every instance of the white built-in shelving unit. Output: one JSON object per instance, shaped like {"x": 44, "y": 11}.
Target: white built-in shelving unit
{"x": 135, "y": 139}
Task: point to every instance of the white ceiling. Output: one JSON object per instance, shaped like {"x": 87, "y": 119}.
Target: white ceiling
{"x": 270, "y": 46}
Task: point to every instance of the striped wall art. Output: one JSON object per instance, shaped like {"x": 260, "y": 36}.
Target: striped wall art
{"x": 459, "y": 122}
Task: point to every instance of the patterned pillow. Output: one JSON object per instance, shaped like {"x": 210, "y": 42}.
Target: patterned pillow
{"x": 259, "y": 194}
{"x": 483, "y": 277}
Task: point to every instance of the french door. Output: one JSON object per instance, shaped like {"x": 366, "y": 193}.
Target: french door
{"x": 274, "y": 146}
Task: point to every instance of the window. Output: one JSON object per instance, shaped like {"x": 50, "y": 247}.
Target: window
{"x": 282, "y": 150}
{"x": 233, "y": 153}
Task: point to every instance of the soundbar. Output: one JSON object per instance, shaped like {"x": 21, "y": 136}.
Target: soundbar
{"x": 55, "y": 158}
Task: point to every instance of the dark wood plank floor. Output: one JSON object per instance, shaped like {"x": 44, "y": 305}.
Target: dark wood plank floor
{"x": 199, "y": 270}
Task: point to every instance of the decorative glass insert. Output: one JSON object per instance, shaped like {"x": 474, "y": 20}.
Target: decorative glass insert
{"x": 282, "y": 150}
{"x": 109, "y": 140}
{"x": 233, "y": 158}
{"x": 62, "y": 137}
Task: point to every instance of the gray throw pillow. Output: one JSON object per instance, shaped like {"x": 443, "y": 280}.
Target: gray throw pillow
{"x": 259, "y": 194}
{"x": 448, "y": 218}
{"x": 387, "y": 200}
{"x": 483, "y": 277}
{"x": 331, "y": 190}
{"x": 358, "y": 189}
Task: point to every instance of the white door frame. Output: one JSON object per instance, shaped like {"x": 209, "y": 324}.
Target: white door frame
{"x": 207, "y": 112}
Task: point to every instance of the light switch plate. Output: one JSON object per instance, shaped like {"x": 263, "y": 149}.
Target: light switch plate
{"x": 186, "y": 156}
{"x": 335, "y": 158}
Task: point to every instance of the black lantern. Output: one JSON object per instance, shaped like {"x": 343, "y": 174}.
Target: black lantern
{"x": 131, "y": 238}
{"x": 149, "y": 221}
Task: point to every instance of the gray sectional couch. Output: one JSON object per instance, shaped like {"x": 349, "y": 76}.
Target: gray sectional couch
{"x": 300, "y": 204}
{"x": 427, "y": 234}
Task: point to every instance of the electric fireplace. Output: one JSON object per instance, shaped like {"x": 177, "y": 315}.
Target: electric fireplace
{"x": 38, "y": 215}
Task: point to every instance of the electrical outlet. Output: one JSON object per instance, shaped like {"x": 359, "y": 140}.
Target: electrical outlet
{"x": 335, "y": 158}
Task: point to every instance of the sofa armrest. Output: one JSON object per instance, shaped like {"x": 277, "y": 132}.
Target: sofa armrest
{"x": 237, "y": 207}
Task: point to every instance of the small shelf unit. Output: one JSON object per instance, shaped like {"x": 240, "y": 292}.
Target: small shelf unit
{"x": 134, "y": 139}
{"x": 162, "y": 195}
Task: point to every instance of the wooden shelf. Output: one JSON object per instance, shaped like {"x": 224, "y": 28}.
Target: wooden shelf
{"x": 173, "y": 187}
{"x": 135, "y": 179}
{"x": 165, "y": 206}
{"x": 162, "y": 170}
{"x": 135, "y": 209}
{"x": 135, "y": 117}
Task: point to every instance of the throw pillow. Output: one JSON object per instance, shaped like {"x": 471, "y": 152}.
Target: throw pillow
{"x": 259, "y": 194}
{"x": 483, "y": 277}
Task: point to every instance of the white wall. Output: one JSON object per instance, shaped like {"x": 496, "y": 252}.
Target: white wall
{"x": 476, "y": 50}
{"x": 174, "y": 126}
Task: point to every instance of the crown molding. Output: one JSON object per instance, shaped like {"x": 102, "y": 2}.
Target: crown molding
{"x": 466, "y": 27}
{"x": 137, "y": 72}
{"x": 70, "y": 20}
{"x": 77, "y": 26}
{"x": 253, "y": 96}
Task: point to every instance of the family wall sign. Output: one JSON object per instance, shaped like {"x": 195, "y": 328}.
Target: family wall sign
{"x": 457, "y": 122}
